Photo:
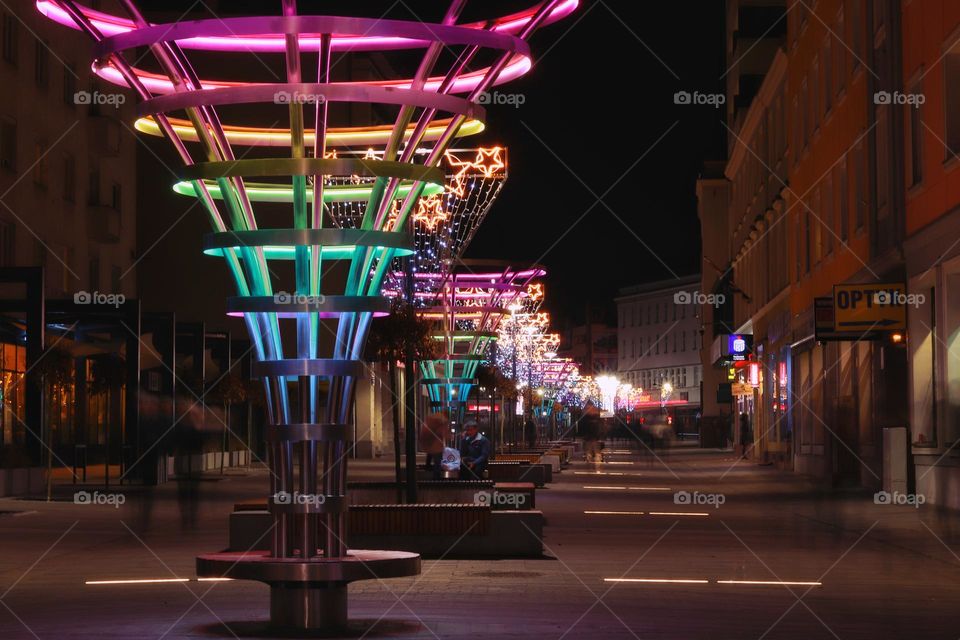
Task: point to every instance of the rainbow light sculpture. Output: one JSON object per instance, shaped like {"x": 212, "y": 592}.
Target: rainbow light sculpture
{"x": 467, "y": 310}
{"x": 309, "y": 334}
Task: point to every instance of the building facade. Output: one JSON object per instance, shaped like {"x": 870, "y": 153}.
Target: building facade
{"x": 658, "y": 344}
{"x": 931, "y": 134}
{"x": 845, "y": 205}
{"x": 592, "y": 345}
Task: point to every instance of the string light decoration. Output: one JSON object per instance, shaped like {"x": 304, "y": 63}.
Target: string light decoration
{"x": 309, "y": 373}
{"x": 446, "y": 220}
{"x": 466, "y": 308}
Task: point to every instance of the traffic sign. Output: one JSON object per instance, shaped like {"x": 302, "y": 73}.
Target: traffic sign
{"x": 870, "y": 307}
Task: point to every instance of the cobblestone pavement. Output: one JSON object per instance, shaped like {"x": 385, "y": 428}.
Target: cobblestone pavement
{"x": 883, "y": 571}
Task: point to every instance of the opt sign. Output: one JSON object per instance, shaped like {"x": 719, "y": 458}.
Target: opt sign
{"x": 865, "y": 307}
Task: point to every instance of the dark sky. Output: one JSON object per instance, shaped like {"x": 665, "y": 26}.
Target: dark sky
{"x": 596, "y": 102}
{"x": 598, "y": 121}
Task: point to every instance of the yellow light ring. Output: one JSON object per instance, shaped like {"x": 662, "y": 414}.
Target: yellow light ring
{"x": 336, "y": 136}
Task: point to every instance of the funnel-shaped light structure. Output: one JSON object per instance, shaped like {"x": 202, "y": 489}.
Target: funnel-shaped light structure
{"x": 466, "y": 308}
{"x": 306, "y": 287}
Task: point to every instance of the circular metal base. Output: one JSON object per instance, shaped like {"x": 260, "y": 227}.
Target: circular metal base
{"x": 308, "y": 594}
{"x": 359, "y": 564}
{"x": 313, "y": 608}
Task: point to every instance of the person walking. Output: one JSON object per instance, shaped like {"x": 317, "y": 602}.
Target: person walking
{"x": 746, "y": 435}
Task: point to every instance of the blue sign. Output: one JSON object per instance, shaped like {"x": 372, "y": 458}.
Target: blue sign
{"x": 738, "y": 347}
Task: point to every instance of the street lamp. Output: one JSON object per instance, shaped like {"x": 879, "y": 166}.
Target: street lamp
{"x": 608, "y": 392}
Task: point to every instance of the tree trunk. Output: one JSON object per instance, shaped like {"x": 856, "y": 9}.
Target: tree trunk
{"x": 395, "y": 409}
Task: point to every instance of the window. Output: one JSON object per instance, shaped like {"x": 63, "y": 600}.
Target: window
{"x": 805, "y": 123}
{"x": 839, "y": 56}
{"x": 815, "y": 91}
{"x": 94, "y": 273}
{"x": 115, "y": 276}
{"x": 843, "y": 210}
{"x": 7, "y": 244}
{"x": 859, "y": 185}
{"x": 951, "y": 98}
{"x": 806, "y": 235}
{"x": 69, "y": 178}
{"x": 827, "y": 72}
{"x": 828, "y": 213}
{"x": 915, "y": 131}
{"x": 814, "y": 219}
{"x": 856, "y": 28}
{"x": 41, "y": 64}
{"x": 116, "y": 196}
{"x": 10, "y": 38}
{"x": 40, "y": 164}
{"x": 8, "y": 144}
{"x": 93, "y": 183}
{"x": 69, "y": 85}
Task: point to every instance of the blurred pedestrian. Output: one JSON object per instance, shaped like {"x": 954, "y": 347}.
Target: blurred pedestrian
{"x": 432, "y": 440}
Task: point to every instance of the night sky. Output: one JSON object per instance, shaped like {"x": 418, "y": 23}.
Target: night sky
{"x": 597, "y": 102}
{"x": 598, "y": 120}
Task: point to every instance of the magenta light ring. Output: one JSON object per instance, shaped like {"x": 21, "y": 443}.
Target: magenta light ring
{"x": 518, "y": 66}
{"x": 263, "y": 167}
{"x": 461, "y": 310}
{"x": 324, "y": 92}
{"x": 111, "y": 25}
{"x": 527, "y": 273}
{"x": 231, "y": 28}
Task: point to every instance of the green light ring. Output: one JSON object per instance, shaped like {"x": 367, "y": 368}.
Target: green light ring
{"x": 283, "y": 244}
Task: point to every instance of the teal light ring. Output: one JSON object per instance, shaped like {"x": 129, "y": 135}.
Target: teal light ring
{"x": 287, "y": 305}
{"x": 329, "y": 239}
{"x": 448, "y": 381}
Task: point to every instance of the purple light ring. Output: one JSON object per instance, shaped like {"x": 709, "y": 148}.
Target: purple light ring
{"x": 296, "y": 25}
{"x": 331, "y": 92}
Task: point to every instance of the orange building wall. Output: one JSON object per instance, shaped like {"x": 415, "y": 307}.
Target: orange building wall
{"x": 838, "y": 130}
{"x": 926, "y": 25}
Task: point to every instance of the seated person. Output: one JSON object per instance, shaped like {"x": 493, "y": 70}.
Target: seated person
{"x": 474, "y": 452}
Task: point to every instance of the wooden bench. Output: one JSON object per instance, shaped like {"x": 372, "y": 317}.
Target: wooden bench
{"x": 418, "y": 520}
{"x": 531, "y": 458}
{"x": 526, "y": 493}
